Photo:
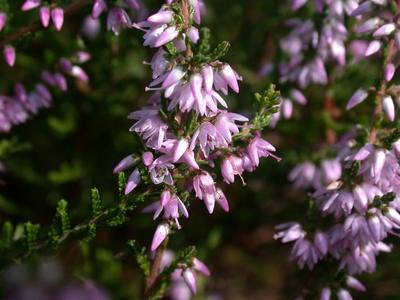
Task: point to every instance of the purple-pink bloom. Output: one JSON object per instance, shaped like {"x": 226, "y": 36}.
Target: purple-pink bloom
{"x": 124, "y": 164}
{"x": 160, "y": 235}
{"x": 99, "y": 6}
{"x": 9, "y": 55}
{"x": 117, "y": 19}
{"x": 3, "y": 20}
{"x": 190, "y": 280}
{"x": 359, "y": 96}
{"x": 44, "y": 16}
{"x": 30, "y": 4}
{"x": 205, "y": 189}
{"x": 57, "y": 16}
{"x": 133, "y": 181}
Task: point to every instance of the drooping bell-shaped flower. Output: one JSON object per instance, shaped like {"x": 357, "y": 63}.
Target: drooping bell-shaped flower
{"x": 125, "y": 164}
{"x": 30, "y": 4}
{"x": 44, "y": 14}
{"x": 99, "y": 6}
{"x": 388, "y": 108}
{"x": 57, "y": 16}
{"x": 160, "y": 235}
{"x": 117, "y": 19}
{"x": 359, "y": 96}
{"x": 133, "y": 181}
{"x": 3, "y": 20}
{"x": 9, "y": 55}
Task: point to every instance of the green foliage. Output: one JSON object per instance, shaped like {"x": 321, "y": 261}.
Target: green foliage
{"x": 32, "y": 231}
{"x": 184, "y": 259}
{"x": 68, "y": 172}
{"x": 204, "y": 43}
{"x": 121, "y": 182}
{"x": 391, "y": 138}
{"x": 268, "y": 104}
{"x": 62, "y": 218}
{"x": 381, "y": 202}
{"x": 11, "y": 146}
{"x": 141, "y": 256}
{"x": 351, "y": 173}
{"x": 96, "y": 202}
{"x": 220, "y": 51}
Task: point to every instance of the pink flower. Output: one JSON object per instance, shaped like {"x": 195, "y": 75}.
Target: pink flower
{"x": 9, "y": 55}
{"x": 133, "y": 181}
{"x": 57, "y": 16}
{"x": 45, "y": 16}
{"x": 160, "y": 235}
{"x": 205, "y": 189}
{"x": 3, "y": 20}
{"x": 30, "y": 4}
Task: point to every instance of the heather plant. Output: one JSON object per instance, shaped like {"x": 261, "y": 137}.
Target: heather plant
{"x": 192, "y": 210}
{"x": 186, "y": 125}
{"x": 352, "y": 207}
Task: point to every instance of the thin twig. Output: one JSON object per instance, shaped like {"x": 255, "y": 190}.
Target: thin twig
{"x": 155, "y": 269}
{"x": 186, "y": 19}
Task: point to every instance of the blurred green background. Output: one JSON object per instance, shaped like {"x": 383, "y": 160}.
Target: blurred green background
{"x": 73, "y": 146}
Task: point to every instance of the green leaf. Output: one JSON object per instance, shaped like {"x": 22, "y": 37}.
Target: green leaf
{"x": 221, "y": 50}
{"x": 121, "y": 182}
{"x": 96, "y": 202}
{"x": 32, "y": 231}
{"x": 141, "y": 257}
{"x": 62, "y": 215}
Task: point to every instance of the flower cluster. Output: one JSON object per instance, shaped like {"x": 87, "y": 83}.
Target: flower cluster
{"x": 355, "y": 195}
{"x": 360, "y": 190}
{"x": 310, "y": 46}
{"x": 376, "y": 18}
{"x": 187, "y": 128}
{"x": 184, "y": 277}
{"x": 117, "y": 18}
{"x": 19, "y": 107}
{"x": 46, "y": 13}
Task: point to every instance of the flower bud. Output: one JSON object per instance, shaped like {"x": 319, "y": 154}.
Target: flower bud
{"x": 99, "y": 6}
{"x": 147, "y": 158}
{"x": 208, "y": 77}
{"x": 390, "y": 69}
{"x": 193, "y": 34}
{"x": 355, "y": 284}
{"x": 388, "y": 108}
{"x": 199, "y": 266}
{"x": 30, "y": 4}
{"x": 3, "y": 20}
{"x": 57, "y": 16}
{"x": 133, "y": 181}
{"x": 179, "y": 149}
{"x": 162, "y": 17}
{"x": 373, "y": 47}
{"x": 229, "y": 76}
{"x": 44, "y": 16}
{"x": 359, "y": 96}
{"x": 167, "y": 36}
{"x": 384, "y": 30}
{"x": 190, "y": 280}
{"x": 9, "y": 55}
{"x": 160, "y": 235}
{"x": 124, "y": 164}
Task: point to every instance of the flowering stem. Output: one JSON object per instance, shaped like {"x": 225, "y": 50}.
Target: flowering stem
{"x": 382, "y": 90}
{"x": 69, "y": 10}
{"x": 155, "y": 269}
{"x": 186, "y": 19}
